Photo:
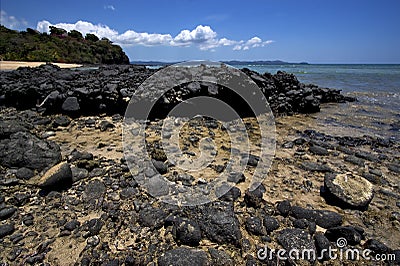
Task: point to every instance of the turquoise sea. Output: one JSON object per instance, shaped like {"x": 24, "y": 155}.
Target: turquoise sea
{"x": 377, "y": 88}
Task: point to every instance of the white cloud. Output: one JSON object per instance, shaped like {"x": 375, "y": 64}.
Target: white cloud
{"x": 203, "y": 37}
{"x": 109, "y": 7}
{"x": 11, "y": 22}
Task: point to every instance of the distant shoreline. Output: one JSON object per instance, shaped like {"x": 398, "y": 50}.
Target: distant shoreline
{"x": 12, "y": 65}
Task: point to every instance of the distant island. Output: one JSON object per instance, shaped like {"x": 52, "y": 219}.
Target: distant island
{"x": 231, "y": 62}
{"x": 59, "y": 46}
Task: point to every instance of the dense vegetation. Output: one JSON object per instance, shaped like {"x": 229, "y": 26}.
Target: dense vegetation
{"x": 59, "y": 46}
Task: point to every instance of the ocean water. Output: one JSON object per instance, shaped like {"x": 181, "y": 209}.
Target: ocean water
{"x": 376, "y": 87}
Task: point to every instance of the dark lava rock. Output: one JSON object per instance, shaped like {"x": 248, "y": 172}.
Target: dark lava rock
{"x": 62, "y": 121}
{"x": 350, "y": 233}
{"x": 376, "y": 246}
{"x": 183, "y": 257}
{"x": 284, "y": 207}
{"x": 78, "y": 174}
{"x": 253, "y": 160}
{"x": 104, "y": 125}
{"x": 160, "y": 167}
{"x": 70, "y": 105}
{"x": 9, "y": 127}
{"x": 253, "y": 198}
{"x": 107, "y": 88}
{"x": 94, "y": 226}
{"x": 72, "y": 225}
{"x": 78, "y": 155}
{"x": 323, "y": 218}
{"x": 219, "y": 223}
{"x": 219, "y": 257}
{"x": 318, "y": 150}
{"x": 56, "y": 178}
{"x": 152, "y": 217}
{"x": 232, "y": 195}
{"x": 6, "y": 229}
{"x": 7, "y": 212}
{"x": 315, "y": 167}
{"x": 254, "y": 226}
{"x": 297, "y": 239}
{"x": 26, "y": 150}
{"x": 24, "y": 173}
{"x": 394, "y": 167}
{"x": 270, "y": 223}
{"x": 367, "y": 156}
{"x": 187, "y": 232}
{"x": 354, "y": 160}
{"x": 348, "y": 190}
{"x": 322, "y": 244}
{"x": 305, "y": 224}
{"x": 95, "y": 189}
{"x": 236, "y": 178}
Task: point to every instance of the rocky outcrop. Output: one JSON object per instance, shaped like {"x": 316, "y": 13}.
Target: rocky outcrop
{"x": 109, "y": 88}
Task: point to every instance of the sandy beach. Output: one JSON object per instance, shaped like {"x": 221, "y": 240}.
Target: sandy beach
{"x": 12, "y": 65}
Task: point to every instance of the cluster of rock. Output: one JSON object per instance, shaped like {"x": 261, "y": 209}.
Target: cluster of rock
{"x": 107, "y": 219}
{"x": 109, "y": 88}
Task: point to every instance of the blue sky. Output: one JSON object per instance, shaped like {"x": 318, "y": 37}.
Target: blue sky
{"x": 340, "y": 31}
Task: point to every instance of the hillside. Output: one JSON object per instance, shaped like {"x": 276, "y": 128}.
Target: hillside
{"x": 59, "y": 46}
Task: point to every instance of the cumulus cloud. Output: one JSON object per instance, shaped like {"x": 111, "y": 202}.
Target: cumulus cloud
{"x": 109, "y": 7}
{"x": 203, "y": 37}
{"x": 11, "y": 22}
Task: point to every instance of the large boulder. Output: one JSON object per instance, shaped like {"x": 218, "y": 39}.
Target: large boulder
{"x": 56, "y": 178}
{"x": 348, "y": 190}
{"x": 24, "y": 149}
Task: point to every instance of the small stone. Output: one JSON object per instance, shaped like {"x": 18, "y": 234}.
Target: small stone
{"x": 6, "y": 229}
{"x": 376, "y": 246}
{"x": 93, "y": 241}
{"x": 24, "y": 173}
{"x": 270, "y": 223}
{"x": 219, "y": 257}
{"x": 104, "y": 125}
{"x": 62, "y": 121}
{"x": 348, "y": 190}
{"x": 95, "y": 226}
{"x": 187, "y": 232}
{"x": 160, "y": 167}
{"x": 236, "y": 178}
{"x": 57, "y": 177}
{"x": 322, "y": 245}
{"x": 354, "y": 160}
{"x": 7, "y": 212}
{"x": 350, "y": 233}
{"x": 254, "y": 226}
{"x": 284, "y": 207}
{"x": 297, "y": 239}
{"x": 72, "y": 225}
{"x": 183, "y": 256}
{"x": 315, "y": 167}
{"x": 254, "y": 198}
{"x": 152, "y": 217}
{"x": 318, "y": 150}
{"x": 323, "y": 218}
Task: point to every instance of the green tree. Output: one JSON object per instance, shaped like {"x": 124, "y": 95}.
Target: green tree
{"x": 75, "y": 34}
{"x": 57, "y": 31}
{"x": 91, "y": 37}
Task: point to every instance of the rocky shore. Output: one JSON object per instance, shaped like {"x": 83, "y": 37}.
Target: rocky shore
{"x": 67, "y": 196}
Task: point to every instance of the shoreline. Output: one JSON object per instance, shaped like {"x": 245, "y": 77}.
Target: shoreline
{"x": 13, "y": 65}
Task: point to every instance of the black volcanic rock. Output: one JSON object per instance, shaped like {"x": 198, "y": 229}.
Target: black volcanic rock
{"x": 109, "y": 88}
{"x": 24, "y": 149}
